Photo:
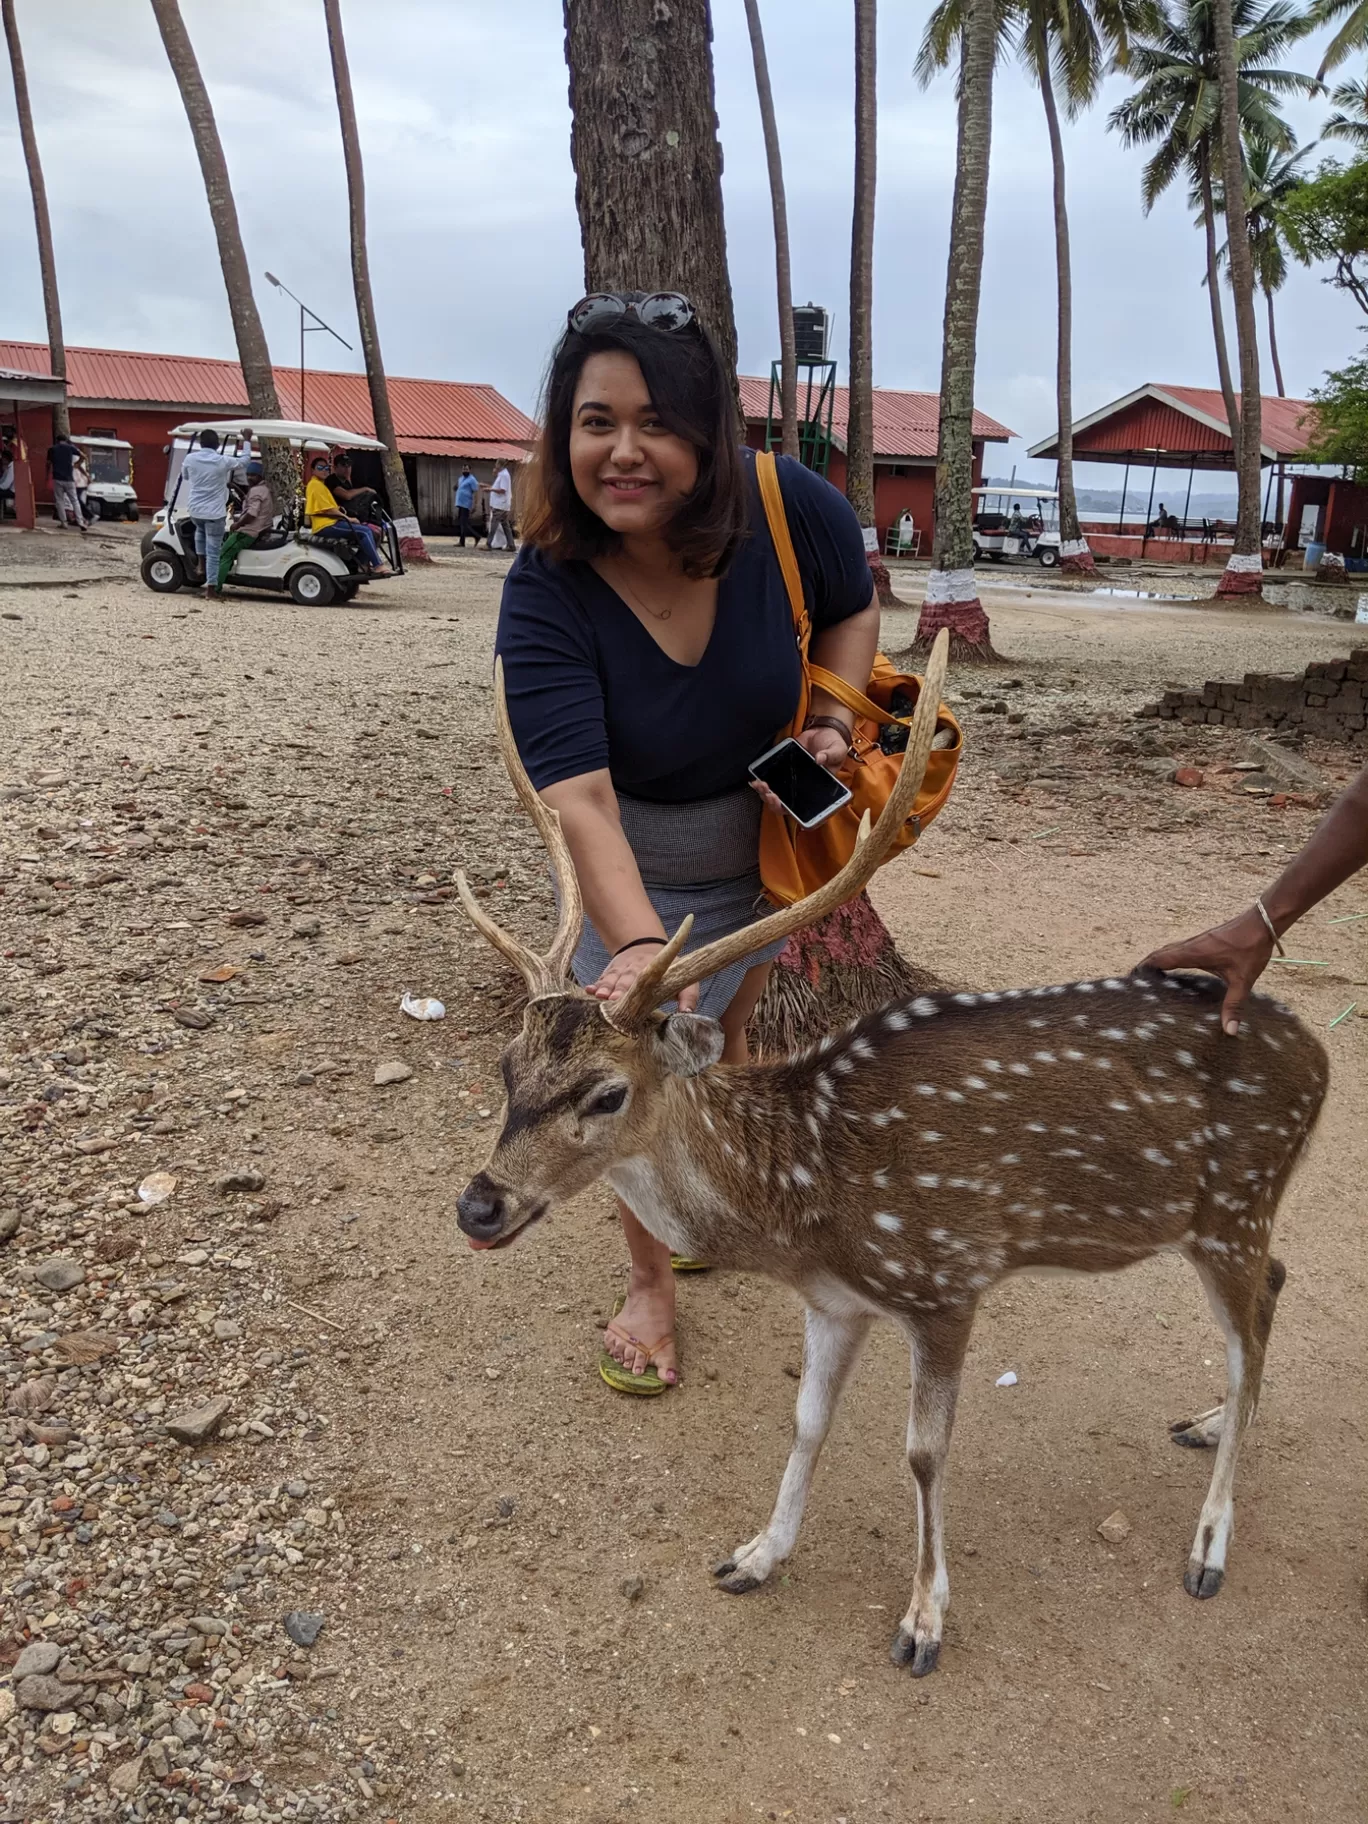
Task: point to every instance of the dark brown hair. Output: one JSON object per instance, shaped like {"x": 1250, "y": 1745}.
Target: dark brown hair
{"x": 691, "y": 388}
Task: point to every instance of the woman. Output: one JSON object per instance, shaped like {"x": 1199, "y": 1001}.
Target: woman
{"x": 649, "y": 657}
{"x": 327, "y": 520}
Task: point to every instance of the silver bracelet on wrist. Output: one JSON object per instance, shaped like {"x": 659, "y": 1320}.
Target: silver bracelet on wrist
{"x": 1262, "y": 911}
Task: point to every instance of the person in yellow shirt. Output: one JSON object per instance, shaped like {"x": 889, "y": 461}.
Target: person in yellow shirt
{"x": 326, "y": 519}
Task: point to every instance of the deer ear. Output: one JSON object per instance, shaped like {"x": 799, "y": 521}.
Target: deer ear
{"x": 688, "y": 1042}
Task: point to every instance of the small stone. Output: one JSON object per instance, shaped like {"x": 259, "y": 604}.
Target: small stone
{"x": 126, "y": 1777}
{"x": 227, "y": 1329}
{"x": 306, "y": 927}
{"x": 30, "y": 1398}
{"x": 8, "y": 1706}
{"x": 193, "y": 1017}
{"x": 211, "y": 1624}
{"x": 37, "y": 1659}
{"x": 245, "y": 1180}
{"x": 59, "y": 1274}
{"x": 199, "y": 1422}
{"x": 1115, "y": 1528}
{"x": 1189, "y": 775}
{"x": 391, "y": 1070}
{"x": 47, "y": 1694}
{"x": 633, "y": 1588}
{"x": 303, "y": 1626}
{"x": 297, "y": 1488}
{"x": 9, "y": 1224}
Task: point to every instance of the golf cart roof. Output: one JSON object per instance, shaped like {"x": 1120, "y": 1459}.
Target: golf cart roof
{"x": 296, "y": 431}
{"x": 100, "y": 443}
{"x": 1019, "y": 493}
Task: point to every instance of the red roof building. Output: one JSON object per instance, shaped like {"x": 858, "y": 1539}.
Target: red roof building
{"x": 141, "y": 397}
{"x": 1178, "y": 427}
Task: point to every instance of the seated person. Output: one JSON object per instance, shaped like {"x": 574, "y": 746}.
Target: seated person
{"x": 360, "y": 503}
{"x": 1016, "y": 525}
{"x": 327, "y": 520}
{"x": 255, "y": 516}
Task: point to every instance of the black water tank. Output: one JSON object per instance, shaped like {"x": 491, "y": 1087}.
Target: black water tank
{"x": 811, "y": 326}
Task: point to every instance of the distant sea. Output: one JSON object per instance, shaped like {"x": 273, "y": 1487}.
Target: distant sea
{"x": 1105, "y": 503}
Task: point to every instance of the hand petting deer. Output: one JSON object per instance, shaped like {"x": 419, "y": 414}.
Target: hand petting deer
{"x": 902, "y": 1167}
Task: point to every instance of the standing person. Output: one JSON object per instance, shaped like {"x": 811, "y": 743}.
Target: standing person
{"x": 205, "y": 475}
{"x": 647, "y": 642}
{"x": 255, "y": 516}
{"x": 327, "y": 520}
{"x": 62, "y": 459}
{"x": 1240, "y": 950}
{"x": 6, "y": 478}
{"x": 501, "y": 507}
{"x": 80, "y": 480}
{"x": 467, "y": 489}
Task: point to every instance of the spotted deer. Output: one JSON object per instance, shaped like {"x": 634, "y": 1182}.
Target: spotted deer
{"x": 903, "y": 1166}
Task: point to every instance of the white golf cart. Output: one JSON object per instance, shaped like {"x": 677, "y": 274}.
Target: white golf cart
{"x": 289, "y": 558}
{"x": 109, "y": 463}
{"x": 1035, "y": 535}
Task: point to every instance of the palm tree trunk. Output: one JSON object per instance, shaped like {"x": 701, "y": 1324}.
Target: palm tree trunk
{"x": 254, "y": 357}
{"x": 1073, "y": 547}
{"x": 396, "y": 482}
{"x": 1273, "y": 346}
{"x": 47, "y": 263}
{"x": 1244, "y": 572}
{"x": 860, "y": 417}
{"x": 1214, "y": 295}
{"x": 952, "y": 593}
{"x": 788, "y": 358}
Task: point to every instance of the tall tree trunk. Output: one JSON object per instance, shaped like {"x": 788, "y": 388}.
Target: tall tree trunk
{"x": 254, "y": 357}
{"x": 47, "y": 263}
{"x": 1073, "y": 547}
{"x": 1244, "y": 572}
{"x": 648, "y": 163}
{"x": 952, "y": 593}
{"x": 860, "y": 415}
{"x": 1273, "y": 346}
{"x": 1213, "y": 276}
{"x": 396, "y": 482}
{"x": 788, "y": 359}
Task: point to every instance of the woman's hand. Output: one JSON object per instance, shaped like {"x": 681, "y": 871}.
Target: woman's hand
{"x": 624, "y": 969}
{"x": 1238, "y": 951}
{"x": 825, "y": 746}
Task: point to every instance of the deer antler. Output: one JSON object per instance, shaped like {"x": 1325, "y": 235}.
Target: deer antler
{"x": 544, "y": 974}
{"x": 668, "y": 972}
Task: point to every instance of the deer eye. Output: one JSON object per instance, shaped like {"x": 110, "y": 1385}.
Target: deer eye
{"x": 608, "y": 1101}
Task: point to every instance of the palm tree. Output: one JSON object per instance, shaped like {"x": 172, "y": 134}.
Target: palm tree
{"x": 1270, "y": 178}
{"x": 788, "y": 357}
{"x": 47, "y": 264}
{"x": 396, "y": 482}
{"x": 254, "y": 357}
{"x": 1352, "y": 35}
{"x": 1176, "y": 109}
{"x": 1351, "y": 122}
{"x": 951, "y": 591}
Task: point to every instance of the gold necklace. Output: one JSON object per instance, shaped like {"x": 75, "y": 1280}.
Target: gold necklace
{"x": 656, "y": 614}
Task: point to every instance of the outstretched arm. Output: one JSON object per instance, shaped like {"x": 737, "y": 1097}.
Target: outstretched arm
{"x": 1239, "y": 950}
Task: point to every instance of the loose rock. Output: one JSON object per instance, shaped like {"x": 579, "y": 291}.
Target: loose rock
{"x": 47, "y": 1694}
{"x": 303, "y": 1626}
{"x": 59, "y": 1274}
{"x": 391, "y": 1070}
{"x": 199, "y": 1422}
{"x": 37, "y": 1659}
{"x": 1115, "y": 1527}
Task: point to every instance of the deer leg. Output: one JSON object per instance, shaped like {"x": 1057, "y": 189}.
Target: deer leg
{"x": 1204, "y": 1431}
{"x": 830, "y": 1346}
{"x": 1244, "y": 1307}
{"x": 937, "y": 1358}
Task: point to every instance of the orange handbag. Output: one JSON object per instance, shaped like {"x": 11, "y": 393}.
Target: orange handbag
{"x": 795, "y": 862}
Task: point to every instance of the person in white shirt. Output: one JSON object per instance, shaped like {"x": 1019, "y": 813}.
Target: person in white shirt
{"x": 204, "y": 478}
{"x": 501, "y": 508}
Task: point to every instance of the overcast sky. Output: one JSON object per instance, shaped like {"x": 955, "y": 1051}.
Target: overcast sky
{"x": 474, "y": 241}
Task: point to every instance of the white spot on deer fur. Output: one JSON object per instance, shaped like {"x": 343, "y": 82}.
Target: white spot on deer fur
{"x": 1116, "y": 1033}
{"x": 1036, "y": 1127}
{"x": 974, "y": 1083}
{"x": 896, "y": 1022}
{"x": 930, "y": 1135}
{"x": 892, "y": 1266}
{"x": 861, "y": 1048}
{"x": 924, "y": 1007}
{"x": 1112, "y": 983}
{"x": 991, "y": 1064}
{"x": 886, "y": 1220}
{"x": 954, "y": 1095}
{"x": 802, "y": 1176}
{"x": 926, "y": 1089}
{"x": 879, "y": 1180}
{"x": 1045, "y": 1057}
{"x": 1122, "y": 1108}
{"x": 825, "y": 1087}
{"x": 1185, "y": 1058}
{"x": 1036, "y": 1025}
{"x": 1240, "y": 1088}
{"x": 1075, "y": 1057}
{"x": 929, "y": 1181}
{"x": 1020, "y": 1070}
{"x": 1085, "y": 987}
{"x": 1009, "y": 1159}
{"x": 1103, "y": 1063}
{"x": 883, "y": 1116}
{"x": 1155, "y": 1157}
{"x": 966, "y": 1000}
{"x": 869, "y": 1280}
{"x": 843, "y": 1066}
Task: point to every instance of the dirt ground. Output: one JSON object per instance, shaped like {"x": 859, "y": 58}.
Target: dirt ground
{"x": 510, "y": 1560}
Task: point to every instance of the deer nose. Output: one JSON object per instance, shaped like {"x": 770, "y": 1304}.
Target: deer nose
{"x": 480, "y": 1208}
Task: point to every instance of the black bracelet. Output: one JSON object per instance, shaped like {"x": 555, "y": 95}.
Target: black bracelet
{"x": 834, "y": 723}
{"x": 633, "y": 945}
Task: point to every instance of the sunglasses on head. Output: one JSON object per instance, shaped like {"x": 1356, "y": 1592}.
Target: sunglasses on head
{"x": 658, "y": 310}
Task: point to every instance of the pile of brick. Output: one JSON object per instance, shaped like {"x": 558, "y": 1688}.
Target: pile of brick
{"x": 1329, "y": 699}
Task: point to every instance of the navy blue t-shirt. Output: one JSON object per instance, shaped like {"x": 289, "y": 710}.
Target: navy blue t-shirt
{"x": 589, "y": 688}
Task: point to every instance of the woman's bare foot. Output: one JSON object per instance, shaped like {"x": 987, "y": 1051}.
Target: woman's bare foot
{"x": 643, "y": 1331}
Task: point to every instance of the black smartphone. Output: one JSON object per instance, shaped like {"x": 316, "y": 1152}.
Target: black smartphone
{"x": 807, "y": 791}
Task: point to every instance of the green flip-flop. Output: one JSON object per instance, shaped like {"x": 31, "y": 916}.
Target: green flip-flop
{"x": 622, "y": 1380}
{"x": 682, "y": 1263}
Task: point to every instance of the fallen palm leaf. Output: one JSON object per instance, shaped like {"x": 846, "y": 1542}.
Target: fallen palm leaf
{"x": 1345, "y": 1015}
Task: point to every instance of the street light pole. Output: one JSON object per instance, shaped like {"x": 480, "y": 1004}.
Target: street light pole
{"x": 304, "y": 329}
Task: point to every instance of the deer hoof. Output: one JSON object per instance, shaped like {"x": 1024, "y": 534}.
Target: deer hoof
{"x": 920, "y": 1655}
{"x": 737, "y": 1583}
{"x": 1202, "y": 1580}
{"x": 1201, "y": 1433}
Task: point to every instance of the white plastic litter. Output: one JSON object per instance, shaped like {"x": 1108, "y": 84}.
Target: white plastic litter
{"x": 1006, "y": 1380}
{"x": 421, "y": 1007}
{"x": 156, "y": 1188}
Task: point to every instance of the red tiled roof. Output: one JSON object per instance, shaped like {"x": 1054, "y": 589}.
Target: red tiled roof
{"x": 452, "y": 409}
{"x": 1281, "y": 419}
{"x": 493, "y": 451}
{"x": 905, "y": 424}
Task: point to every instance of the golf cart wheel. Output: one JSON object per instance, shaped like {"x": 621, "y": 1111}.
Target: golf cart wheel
{"x": 1048, "y": 556}
{"x": 348, "y": 592}
{"x": 163, "y": 571}
{"x": 311, "y": 587}
{"x": 131, "y": 510}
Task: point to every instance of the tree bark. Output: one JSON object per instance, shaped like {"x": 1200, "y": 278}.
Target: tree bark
{"x": 1273, "y": 348}
{"x": 42, "y": 222}
{"x": 952, "y": 593}
{"x": 1074, "y": 554}
{"x": 1244, "y": 572}
{"x": 396, "y": 482}
{"x": 788, "y": 359}
{"x": 254, "y": 357}
{"x": 648, "y": 163}
{"x": 1214, "y": 294}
